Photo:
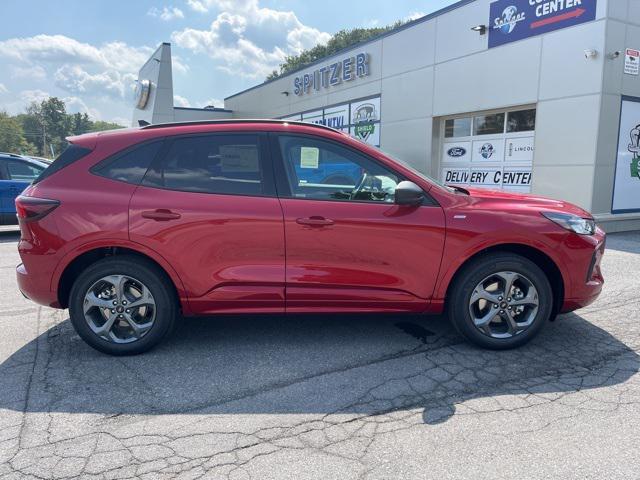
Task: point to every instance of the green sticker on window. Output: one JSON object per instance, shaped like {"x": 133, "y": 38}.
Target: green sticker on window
{"x": 309, "y": 157}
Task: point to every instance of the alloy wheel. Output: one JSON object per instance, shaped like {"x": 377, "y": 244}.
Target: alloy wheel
{"x": 504, "y": 304}
{"x": 119, "y": 309}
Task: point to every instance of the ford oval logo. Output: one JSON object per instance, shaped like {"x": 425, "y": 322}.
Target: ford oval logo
{"x": 456, "y": 152}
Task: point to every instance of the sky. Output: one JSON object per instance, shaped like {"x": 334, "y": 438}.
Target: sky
{"x": 89, "y": 52}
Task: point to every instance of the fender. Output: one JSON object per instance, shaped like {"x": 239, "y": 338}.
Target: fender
{"x": 124, "y": 243}
{"x": 482, "y": 242}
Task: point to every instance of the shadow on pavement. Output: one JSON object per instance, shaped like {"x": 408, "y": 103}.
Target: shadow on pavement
{"x": 360, "y": 365}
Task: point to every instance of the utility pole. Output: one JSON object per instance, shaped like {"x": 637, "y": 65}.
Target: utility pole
{"x": 44, "y": 139}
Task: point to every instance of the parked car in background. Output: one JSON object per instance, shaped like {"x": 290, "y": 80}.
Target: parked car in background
{"x": 131, "y": 229}
{"x": 16, "y": 173}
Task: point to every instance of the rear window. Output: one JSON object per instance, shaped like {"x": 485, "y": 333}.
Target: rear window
{"x": 71, "y": 154}
{"x": 131, "y": 165}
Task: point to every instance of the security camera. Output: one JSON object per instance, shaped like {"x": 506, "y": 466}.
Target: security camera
{"x": 614, "y": 55}
{"x": 590, "y": 53}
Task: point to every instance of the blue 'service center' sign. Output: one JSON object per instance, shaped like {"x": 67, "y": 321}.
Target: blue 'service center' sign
{"x": 512, "y": 20}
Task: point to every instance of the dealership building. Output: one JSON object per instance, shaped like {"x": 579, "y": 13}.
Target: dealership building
{"x": 539, "y": 96}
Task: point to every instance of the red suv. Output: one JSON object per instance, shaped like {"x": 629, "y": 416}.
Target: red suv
{"x": 130, "y": 229}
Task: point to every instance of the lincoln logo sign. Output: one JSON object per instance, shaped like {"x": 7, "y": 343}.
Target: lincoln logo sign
{"x": 512, "y": 20}
{"x": 332, "y": 74}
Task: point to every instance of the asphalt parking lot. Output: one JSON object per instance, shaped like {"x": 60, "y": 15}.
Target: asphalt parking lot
{"x": 325, "y": 397}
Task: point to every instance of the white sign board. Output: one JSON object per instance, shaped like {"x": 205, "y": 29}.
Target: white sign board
{"x": 631, "y": 61}
{"x": 519, "y": 149}
{"x": 626, "y": 187}
{"x": 488, "y": 150}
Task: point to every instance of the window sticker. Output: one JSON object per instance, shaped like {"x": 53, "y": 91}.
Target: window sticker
{"x": 239, "y": 158}
{"x": 309, "y": 157}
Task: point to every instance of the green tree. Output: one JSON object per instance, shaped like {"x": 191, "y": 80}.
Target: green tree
{"x": 99, "y": 126}
{"x": 80, "y": 123}
{"x": 12, "y": 138}
{"x": 341, "y": 40}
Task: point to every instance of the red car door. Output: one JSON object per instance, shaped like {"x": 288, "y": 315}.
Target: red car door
{"x": 349, "y": 247}
{"x": 208, "y": 206}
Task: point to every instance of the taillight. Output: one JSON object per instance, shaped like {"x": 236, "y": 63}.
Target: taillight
{"x": 30, "y": 209}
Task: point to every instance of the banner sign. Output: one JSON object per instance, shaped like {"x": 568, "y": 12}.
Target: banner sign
{"x": 626, "y": 187}
{"x": 361, "y": 119}
{"x": 512, "y": 20}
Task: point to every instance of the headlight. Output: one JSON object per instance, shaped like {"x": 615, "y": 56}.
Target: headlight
{"x": 579, "y": 225}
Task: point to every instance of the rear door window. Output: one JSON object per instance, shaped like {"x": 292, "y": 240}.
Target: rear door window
{"x": 218, "y": 163}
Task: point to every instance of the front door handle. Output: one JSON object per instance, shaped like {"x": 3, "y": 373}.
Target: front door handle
{"x": 160, "y": 215}
{"x": 315, "y": 221}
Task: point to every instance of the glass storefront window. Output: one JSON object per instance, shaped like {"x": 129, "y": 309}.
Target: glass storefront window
{"x": 457, "y": 127}
{"x": 491, "y": 124}
{"x": 521, "y": 121}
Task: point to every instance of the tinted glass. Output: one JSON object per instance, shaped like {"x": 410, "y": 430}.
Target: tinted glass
{"x": 488, "y": 124}
{"x": 226, "y": 164}
{"x": 131, "y": 165}
{"x": 71, "y": 154}
{"x": 457, "y": 127}
{"x": 326, "y": 171}
{"x": 22, "y": 171}
{"x": 521, "y": 121}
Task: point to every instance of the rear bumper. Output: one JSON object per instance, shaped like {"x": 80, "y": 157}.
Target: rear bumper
{"x": 587, "y": 279}
{"x": 35, "y": 289}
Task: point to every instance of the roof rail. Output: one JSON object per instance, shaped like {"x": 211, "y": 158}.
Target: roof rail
{"x": 234, "y": 121}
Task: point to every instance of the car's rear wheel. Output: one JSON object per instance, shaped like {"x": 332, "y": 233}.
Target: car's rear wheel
{"x": 122, "y": 305}
{"x": 500, "y": 301}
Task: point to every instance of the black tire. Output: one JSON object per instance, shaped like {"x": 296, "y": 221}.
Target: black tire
{"x": 472, "y": 274}
{"x": 166, "y": 303}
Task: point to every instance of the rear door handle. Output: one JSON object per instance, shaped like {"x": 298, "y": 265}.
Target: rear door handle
{"x": 161, "y": 215}
{"x": 315, "y": 221}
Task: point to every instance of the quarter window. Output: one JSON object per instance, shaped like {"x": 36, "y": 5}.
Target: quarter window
{"x": 22, "y": 171}
{"x": 131, "y": 165}
{"x": 322, "y": 170}
{"x": 224, "y": 164}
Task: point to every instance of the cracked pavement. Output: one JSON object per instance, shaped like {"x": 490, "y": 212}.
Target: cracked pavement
{"x": 325, "y": 397}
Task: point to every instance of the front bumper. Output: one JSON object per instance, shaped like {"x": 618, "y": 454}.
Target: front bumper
{"x": 587, "y": 279}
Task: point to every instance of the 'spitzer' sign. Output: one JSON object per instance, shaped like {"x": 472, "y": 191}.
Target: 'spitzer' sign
{"x": 332, "y": 74}
{"x": 512, "y": 20}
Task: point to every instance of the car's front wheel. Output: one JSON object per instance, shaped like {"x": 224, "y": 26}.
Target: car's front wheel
{"x": 122, "y": 305}
{"x": 500, "y": 301}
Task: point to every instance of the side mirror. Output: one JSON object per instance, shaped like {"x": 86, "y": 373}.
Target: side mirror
{"x": 408, "y": 193}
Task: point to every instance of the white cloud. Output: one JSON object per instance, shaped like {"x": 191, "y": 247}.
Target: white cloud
{"x": 77, "y": 105}
{"x": 74, "y": 79}
{"x": 37, "y": 95}
{"x": 3, "y": 89}
{"x": 249, "y": 40}
{"x": 414, "y": 16}
{"x": 57, "y": 49}
{"x": 166, "y": 14}
{"x": 179, "y": 101}
{"x": 35, "y": 72}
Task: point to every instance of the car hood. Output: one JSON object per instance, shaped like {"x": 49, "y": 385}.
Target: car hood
{"x": 521, "y": 200}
